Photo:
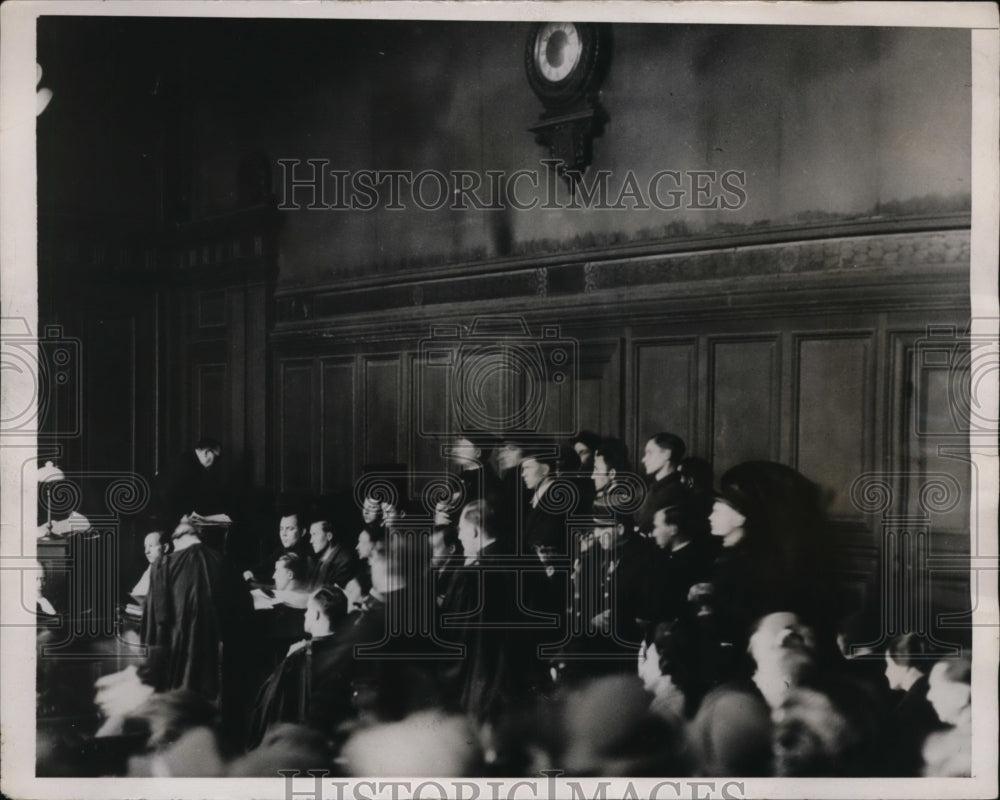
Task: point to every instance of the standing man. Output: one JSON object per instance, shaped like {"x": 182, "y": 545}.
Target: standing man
{"x": 195, "y": 624}
{"x": 198, "y": 490}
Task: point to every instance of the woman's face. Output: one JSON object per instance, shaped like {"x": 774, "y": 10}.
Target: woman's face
{"x": 585, "y": 454}
{"x": 725, "y": 519}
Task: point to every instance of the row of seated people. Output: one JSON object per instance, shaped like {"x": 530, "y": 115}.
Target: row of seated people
{"x": 499, "y": 610}
{"x": 370, "y": 693}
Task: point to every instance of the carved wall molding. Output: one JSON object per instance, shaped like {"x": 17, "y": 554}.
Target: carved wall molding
{"x": 885, "y": 272}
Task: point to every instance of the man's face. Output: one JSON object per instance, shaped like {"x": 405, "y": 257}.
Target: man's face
{"x": 282, "y": 576}
{"x": 370, "y": 510}
{"x": 206, "y": 456}
{"x": 468, "y": 535}
{"x": 318, "y": 538}
{"x": 663, "y": 533}
{"x": 289, "y": 531}
{"x": 585, "y": 453}
{"x": 465, "y": 453}
{"x": 533, "y": 472}
{"x": 654, "y": 458}
{"x": 509, "y": 456}
{"x": 949, "y": 698}
{"x": 313, "y": 617}
{"x": 602, "y": 475}
{"x": 605, "y": 534}
{"x": 152, "y": 548}
{"x": 779, "y": 631}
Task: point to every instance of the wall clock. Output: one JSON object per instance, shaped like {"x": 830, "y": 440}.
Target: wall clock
{"x": 566, "y": 61}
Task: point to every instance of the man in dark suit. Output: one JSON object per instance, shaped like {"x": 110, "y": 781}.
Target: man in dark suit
{"x": 292, "y": 539}
{"x": 335, "y": 562}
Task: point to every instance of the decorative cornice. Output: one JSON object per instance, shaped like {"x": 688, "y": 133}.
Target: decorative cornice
{"x": 884, "y": 272}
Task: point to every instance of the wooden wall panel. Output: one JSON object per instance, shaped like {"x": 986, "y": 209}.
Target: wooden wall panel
{"x": 338, "y": 407}
{"x": 257, "y": 421}
{"x": 665, "y": 396}
{"x": 599, "y": 389}
{"x": 110, "y": 400}
{"x": 211, "y": 401}
{"x": 937, "y": 391}
{"x": 296, "y": 433}
{"x": 744, "y": 401}
{"x": 835, "y": 414}
{"x": 431, "y": 403}
{"x": 382, "y": 409}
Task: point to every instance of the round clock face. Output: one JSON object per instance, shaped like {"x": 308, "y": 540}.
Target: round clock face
{"x": 557, "y": 50}
{"x": 566, "y": 60}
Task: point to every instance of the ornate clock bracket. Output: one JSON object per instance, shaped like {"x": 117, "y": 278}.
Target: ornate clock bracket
{"x": 566, "y": 62}
{"x": 569, "y": 138}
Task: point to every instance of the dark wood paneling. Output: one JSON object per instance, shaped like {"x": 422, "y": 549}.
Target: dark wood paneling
{"x": 834, "y": 415}
{"x": 296, "y": 397}
{"x": 431, "y": 404}
{"x": 744, "y": 400}
{"x": 211, "y": 400}
{"x": 381, "y": 405}
{"x": 665, "y": 392}
{"x": 109, "y": 403}
{"x": 257, "y": 423}
{"x": 339, "y": 404}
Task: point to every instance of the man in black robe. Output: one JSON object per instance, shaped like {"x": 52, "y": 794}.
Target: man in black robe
{"x": 498, "y": 662}
{"x": 311, "y": 685}
{"x": 195, "y": 623}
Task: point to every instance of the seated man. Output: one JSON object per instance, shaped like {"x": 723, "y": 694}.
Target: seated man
{"x": 156, "y": 544}
{"x": 292, "y": 540}
{"x": 291, "y": 584}
{"x": 311, "y": 685}
{"x": 335, "y": 562}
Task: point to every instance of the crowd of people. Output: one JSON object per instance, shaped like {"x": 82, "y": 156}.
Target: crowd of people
{"x": 556, "y": 610}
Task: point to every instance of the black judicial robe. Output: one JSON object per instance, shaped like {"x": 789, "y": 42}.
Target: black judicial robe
{"x": 196, "y": 601}
{"x": 496, "y": 669}
{"x": 310, "y": 686}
